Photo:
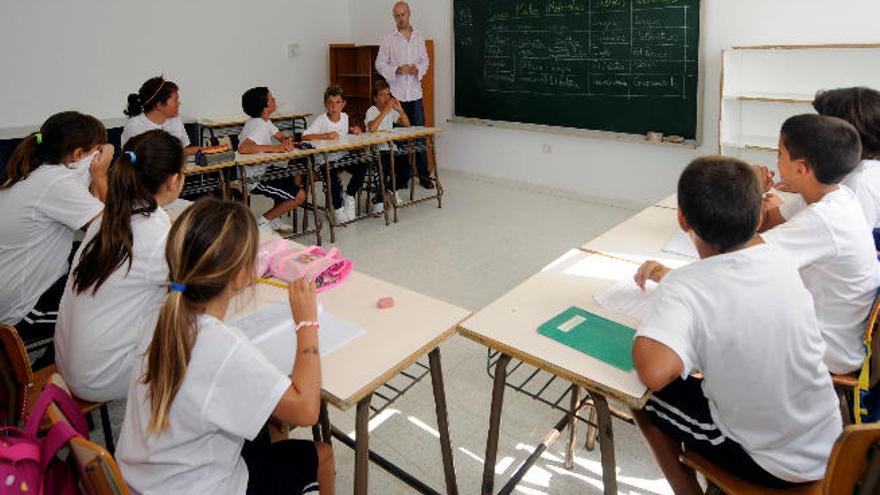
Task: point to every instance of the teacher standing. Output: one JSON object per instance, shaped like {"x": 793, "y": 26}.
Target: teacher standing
{"x": 403, "y": 62}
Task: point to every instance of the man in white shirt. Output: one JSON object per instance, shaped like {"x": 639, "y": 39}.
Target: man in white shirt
{"x": 766, "y": 408}
{"x": 403, "y": 62}
{"x": 829, "y": 239}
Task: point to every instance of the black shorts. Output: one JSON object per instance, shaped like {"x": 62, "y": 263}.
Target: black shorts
{"x": 682, "y": 412}
{"x": 281, "y": 189}
{"x": 288, "y": 466}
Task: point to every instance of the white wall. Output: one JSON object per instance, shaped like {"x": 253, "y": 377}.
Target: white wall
{"x": 89, "y": 54}
{"x": 628, "y": 172}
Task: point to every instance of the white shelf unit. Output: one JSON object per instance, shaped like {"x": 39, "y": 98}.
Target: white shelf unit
{"x": 761, "y": 86}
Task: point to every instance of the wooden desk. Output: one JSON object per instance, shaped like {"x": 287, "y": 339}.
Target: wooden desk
{"x": 394, "y": 339}
{"x": 509, "y": 325}
{"x": 230, "y": 125}
{"x": 642, "y": 237}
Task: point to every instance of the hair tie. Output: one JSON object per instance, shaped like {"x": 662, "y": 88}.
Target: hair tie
{"x": 177, "y": 287}
{"x": 39, "y": 137}
{"x": 132, "y": 156}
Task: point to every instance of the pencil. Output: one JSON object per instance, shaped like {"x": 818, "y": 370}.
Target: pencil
{"x": 272, "y": 282}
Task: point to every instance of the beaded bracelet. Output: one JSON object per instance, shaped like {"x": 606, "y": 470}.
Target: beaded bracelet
{"x": 304, "y": 324}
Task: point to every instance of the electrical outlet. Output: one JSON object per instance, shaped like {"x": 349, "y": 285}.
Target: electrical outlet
{"x": 292, "y": 50}
{"x": 547, "y": 149}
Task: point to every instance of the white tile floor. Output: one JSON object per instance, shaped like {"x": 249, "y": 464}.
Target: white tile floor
{"x": 487, "y": 238}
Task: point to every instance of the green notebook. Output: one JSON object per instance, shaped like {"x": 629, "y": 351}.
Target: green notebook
{"x": 591, "y": 334}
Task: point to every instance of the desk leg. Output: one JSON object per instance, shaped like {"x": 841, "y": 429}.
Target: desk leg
{"x": 362, "y": 446}
{"x": 442, "y": 421}
{"x": 319, "y": 225}
{"x": 414, "y": 172}
{"x": 377, "y": 155}
{"x": 494, "y": 424}
{"x": 437, "y": 185}
{"x": 328, "y": 199}
{"x": 242, "y": 172}
{"x": 324, "y": 423}
{"x": 572, "y": 427}
{"x": 606, "y": 444}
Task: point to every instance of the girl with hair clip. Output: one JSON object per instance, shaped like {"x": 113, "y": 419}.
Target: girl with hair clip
{"x": 156, "y": 106}
{"x": 120, "y": 277}
{"x": 201, "y": 387}
{"x": 44, "y": 200}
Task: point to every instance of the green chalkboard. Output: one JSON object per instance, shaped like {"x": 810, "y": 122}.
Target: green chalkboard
{"x": 625, "y": 66}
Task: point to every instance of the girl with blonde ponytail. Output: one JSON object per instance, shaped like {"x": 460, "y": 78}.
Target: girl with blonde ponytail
{"x": 201, "y": 387}
{"x": 119, "y": 278}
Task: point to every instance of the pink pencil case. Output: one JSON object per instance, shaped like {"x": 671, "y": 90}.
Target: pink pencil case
{"x": 326, "y": 268}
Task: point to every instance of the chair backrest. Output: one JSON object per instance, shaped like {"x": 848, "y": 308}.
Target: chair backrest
{"x": 98, "y": 471}
{"x": 873, "y": 344}
{"x": 16, "y": 373}
{"x": 849, "y": 463}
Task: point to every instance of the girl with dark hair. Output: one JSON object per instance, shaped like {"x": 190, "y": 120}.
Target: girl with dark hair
{"x": 44, "y": 201}
{"x": 156, "y": 106}
{"x": 200, "y": 387}
{"x": 120, "y": 276}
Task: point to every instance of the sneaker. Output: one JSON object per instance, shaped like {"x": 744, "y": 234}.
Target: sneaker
{"x": 262, "y": 221}
{"x": 426, "y": 182}
{"x": 340, "y": 216}
{"x": 397, "y": 199}
{"x": 280, "y": 226}
{"x": 377, "y": 207}
{"x": 349, "y": 205}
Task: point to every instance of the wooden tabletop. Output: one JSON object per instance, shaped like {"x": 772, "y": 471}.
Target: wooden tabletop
{"x": 510, "y": 323}
{"x": 394, "y": 338}
{"x": 233, "y": 120}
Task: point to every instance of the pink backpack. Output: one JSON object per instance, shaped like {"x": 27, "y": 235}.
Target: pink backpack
{"x": 29, "y": 464}
{"x": 326, "y": 268}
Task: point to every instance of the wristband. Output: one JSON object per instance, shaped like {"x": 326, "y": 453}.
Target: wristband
{"x": 304, "y": 324}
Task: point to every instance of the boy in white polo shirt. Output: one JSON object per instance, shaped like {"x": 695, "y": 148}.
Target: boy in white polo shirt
{"x": 333, "y": 125}
{"x": 766, "y": 408}
{"x": 257, "y": 137}
{"x": 385, "y": 113}
{"x": 829, "y": 239}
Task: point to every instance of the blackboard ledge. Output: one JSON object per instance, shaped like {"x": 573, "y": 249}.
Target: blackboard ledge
{"x": 572, "y": 131}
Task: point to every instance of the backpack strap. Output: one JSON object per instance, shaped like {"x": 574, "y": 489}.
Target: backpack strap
{"x": 24, "y": 451}
{"x": 55, "y": 440}
{"x": 55, "y": 394}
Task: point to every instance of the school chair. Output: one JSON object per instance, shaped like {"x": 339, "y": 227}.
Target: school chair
{"x": 22, "y": 385}
{"x": 853, "y": 469}
{"x": 848, "y": 386}
{"x": 98, "y": 472}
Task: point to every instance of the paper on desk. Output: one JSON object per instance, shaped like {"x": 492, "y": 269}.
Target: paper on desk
{"x": 626, "y": 298}
{"x": 271, "y": 329}
{"x": 680, "y": 244}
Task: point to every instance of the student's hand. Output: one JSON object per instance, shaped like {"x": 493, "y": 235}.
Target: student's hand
{"x": 355, "y": 130}
{"x": 765, "y": 176}
{"x": 101, "y": 161}
{"x": 782, "y": 186}
{"x": 303, "y": 301}
{"x": 332, "y": 135}
{"x": 287, "y": 145}
{"x": 395, "y": 104}
{"x": 650, "y": 270}
{"x": 771, "y": 201}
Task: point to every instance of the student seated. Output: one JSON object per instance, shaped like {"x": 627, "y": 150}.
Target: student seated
{"x": 120, "y": 276}
{"x": 382, "y": 116}
{"x": 333, "y": 124}
{"x": 256, "y": 137}
{"x": 201, "y": 388}
{"x": 765, "y": 409}
{"x": 861, "y": 108}
{"x": 156, "y": 106}
{"x": 44, "y": 200}
{"x": 829, "y": 239}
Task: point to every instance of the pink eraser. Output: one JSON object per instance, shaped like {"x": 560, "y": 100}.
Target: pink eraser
{"x": 385, "y": 302}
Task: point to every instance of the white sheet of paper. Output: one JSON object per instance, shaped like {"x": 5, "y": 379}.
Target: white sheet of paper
{"x": 626, "y": 298}
{"x": 680, "y": 244}
{"x": 271, "y": 329}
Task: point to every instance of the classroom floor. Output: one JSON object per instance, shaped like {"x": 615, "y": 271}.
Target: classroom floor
{"x": 487, "y": 238}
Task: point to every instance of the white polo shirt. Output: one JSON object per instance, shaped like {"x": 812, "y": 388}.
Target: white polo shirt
{"x": 387, "y": 123}
{"x": 96, "y": 335}
{"x": 746, "y": 321}
{"x": 834, "y": 250}
{"x": 322, "y": 124}
{"x": 40, "y": 215}
{"x": 140, "y": 124}
{"x": 261, "y": 132}
{"x": 229, "y": 392}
